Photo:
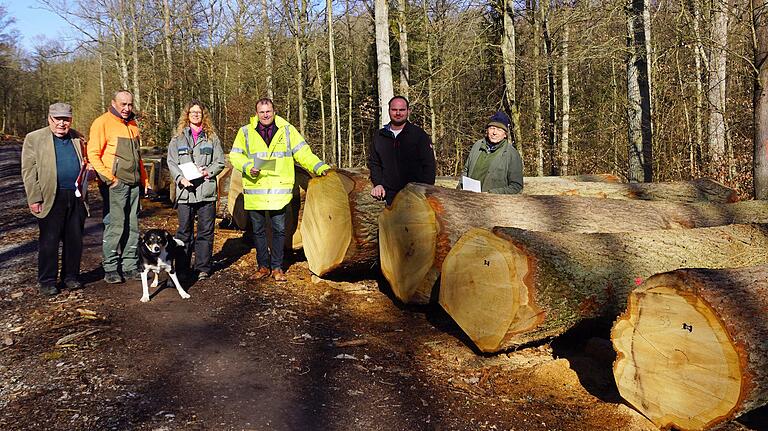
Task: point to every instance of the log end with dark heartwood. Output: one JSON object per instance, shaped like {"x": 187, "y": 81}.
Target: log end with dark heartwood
{"x": 339, "y": 226}
{"x": 691, "y": 349}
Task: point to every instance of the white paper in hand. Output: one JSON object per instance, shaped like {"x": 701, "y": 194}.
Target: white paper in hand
{"x": 264, "y": 165}
{"x": 470, "y": 184}
{"x": 190, "y": 171}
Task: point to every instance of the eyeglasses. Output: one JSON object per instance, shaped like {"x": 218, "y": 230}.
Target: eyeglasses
{"x": 62, "y": 120}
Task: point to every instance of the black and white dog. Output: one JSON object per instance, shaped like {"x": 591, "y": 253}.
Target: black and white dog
{"x": 159, "y": 251}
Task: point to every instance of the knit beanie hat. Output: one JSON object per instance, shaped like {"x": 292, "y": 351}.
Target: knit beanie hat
{"x": 500, "y": 120}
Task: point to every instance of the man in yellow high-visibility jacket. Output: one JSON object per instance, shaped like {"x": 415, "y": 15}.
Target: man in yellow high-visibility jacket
{"x": 264, "y": 151}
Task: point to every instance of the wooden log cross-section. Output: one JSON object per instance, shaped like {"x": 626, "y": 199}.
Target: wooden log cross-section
{"x": 340, "y": 223}
{"x": 423, "y": 223}
{"x": 508, "y": 286}
{"x": 691, "y": 346}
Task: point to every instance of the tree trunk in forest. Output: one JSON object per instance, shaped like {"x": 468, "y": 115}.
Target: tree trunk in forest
{"x": 267, "y": 41}
{"x": 319, "y": 84}
{"x": 350, "y": 90}
{"x": 168, "y": 39}
{"x": 405, "y": 74}
{"x": 716, "y": 93}
{"x": 430, "y": 87}
{"x": 690, "y": 346}
{"x": 566, "y": 104}
{"x": 340, "y": 228}
{"x": 384, "y": 69}
{"x": 552, "y": 126}
{"x": 135, "y": 23}
{"x": 639, "y": 92}
{"x": 509, "y": 58}
{"x": 335, "y": 132}
{"x": 509, "y": 287}
{"x": 538, "y": 121}
{"x": 699, "y": 58}
{"x": 701, "y": 190}
{"x": 760, "y": 100}
{"x": 423, "y": 223}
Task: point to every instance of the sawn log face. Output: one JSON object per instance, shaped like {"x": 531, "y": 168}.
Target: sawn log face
{"x": 692, "y": 348}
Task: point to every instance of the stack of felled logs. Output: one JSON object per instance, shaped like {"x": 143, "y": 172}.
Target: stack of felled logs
{"x": 521, "y": 269}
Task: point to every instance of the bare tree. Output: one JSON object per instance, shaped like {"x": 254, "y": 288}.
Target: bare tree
{"x": 759, "y": 10}
{"x": 509, "y": 58}
{"x": 716, "y": 85}
{"x": 268, "y": 72}
{"x": 405, "y": 73}
{"x": 565, "y": 116}
{"x": 384, "y": 69}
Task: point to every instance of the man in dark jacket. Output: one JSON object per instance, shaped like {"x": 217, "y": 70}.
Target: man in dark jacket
{"x": 400, "y": 153}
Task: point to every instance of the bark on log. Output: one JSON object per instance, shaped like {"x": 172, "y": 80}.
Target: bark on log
{"x": 508, "y": 286}
{"x": 423, "y": 223}
{"x": 692, "y": 349}
{"x": 555, "y": 185}
{"x": 701, "y": 190}
{"x": 340, "y": 223}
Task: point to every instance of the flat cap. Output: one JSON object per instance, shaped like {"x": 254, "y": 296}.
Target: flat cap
{"x": 60, "y": 109}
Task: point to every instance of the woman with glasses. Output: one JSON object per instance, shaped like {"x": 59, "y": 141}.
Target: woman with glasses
{"x": 195, "y": 158}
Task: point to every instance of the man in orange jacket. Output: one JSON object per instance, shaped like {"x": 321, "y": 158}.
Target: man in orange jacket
{"x": 113, "y": 150}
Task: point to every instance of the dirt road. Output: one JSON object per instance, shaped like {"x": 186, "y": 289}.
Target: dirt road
{"x": 243, "y": 355}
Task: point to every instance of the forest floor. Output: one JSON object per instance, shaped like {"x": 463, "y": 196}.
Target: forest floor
{"x": 309, "y": 354}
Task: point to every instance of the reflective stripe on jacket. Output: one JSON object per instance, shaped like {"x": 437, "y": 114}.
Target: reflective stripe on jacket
{"x": 271, "y": 189}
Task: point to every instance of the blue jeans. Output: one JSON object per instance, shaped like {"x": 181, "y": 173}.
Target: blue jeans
{"x": 264, "y": 258}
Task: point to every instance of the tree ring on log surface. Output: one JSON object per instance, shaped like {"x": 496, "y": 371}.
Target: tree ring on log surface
{"x": 675, "y": 361}
{"x": 407, "y": 246}
{"x": 326, "y": 211}
{"x": 483, "y": 288}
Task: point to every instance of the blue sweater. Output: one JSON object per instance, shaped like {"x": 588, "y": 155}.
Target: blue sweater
{"x": 67, "y": 163}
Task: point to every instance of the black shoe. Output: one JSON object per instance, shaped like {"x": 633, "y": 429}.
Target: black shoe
{"x": 48, "y": 289}
{"x": 73, "y": 284}
{"x": 132, "y": 274}
{"x": 203, "y": 275}
{"x": 112, "y": 277}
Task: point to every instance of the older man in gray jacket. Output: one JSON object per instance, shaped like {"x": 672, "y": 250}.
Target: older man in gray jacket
{"x": 54, "y": 172}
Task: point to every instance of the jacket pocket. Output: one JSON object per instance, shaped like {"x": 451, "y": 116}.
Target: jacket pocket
{"x": 126, "y": 164}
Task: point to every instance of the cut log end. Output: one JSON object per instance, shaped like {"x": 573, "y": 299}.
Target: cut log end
{"x": 407, "y": 239}
{"x": 483, "y": 278}
{"x": 675, "y": 363}
{"x": 326, "y": 227}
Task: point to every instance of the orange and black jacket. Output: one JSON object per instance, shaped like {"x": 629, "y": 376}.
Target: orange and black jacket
{"x": 113, "y": 149}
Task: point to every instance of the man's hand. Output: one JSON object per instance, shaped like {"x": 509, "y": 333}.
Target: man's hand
{"x": 378, "y": 192}
{"x": 36, "y": 207}
{"x": 204, "y": 172}
{"x": 115, "y": 183}
{"x": 255, "y": 172}
{"x": 185, "y": 183}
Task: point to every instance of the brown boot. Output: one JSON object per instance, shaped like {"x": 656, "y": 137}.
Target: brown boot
{"x": 261, "y": 273}
{"x": 279, "y": 275}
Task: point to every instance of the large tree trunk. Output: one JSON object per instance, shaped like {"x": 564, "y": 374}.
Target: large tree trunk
{"x": 716, "y": 93}
{"x": 760, "y": 100}
{"x": 538, "y": 121}
{"x": 405, "y": 73}
{"x": 340, "y": 227}
{"x": 509, "y": 59}
{"x": 384, "y": 69}
{"x": 701, "y": 190}
{"x": 509, "y": 286}
{"x": 335, "y": 122}
{"x": 691, "y": 346}
{"x": 565, "y": 88}
{"x": 423, "y": 223}
{"x": 639, "y": 92}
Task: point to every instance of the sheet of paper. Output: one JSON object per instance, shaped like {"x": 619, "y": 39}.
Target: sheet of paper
{"x": 190, "y": 171}
{"x": 470, "y": 184}
{"x": 265, "y": 165}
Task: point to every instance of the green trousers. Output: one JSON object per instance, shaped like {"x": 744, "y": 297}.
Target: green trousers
{"x": 121, "y": 232}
